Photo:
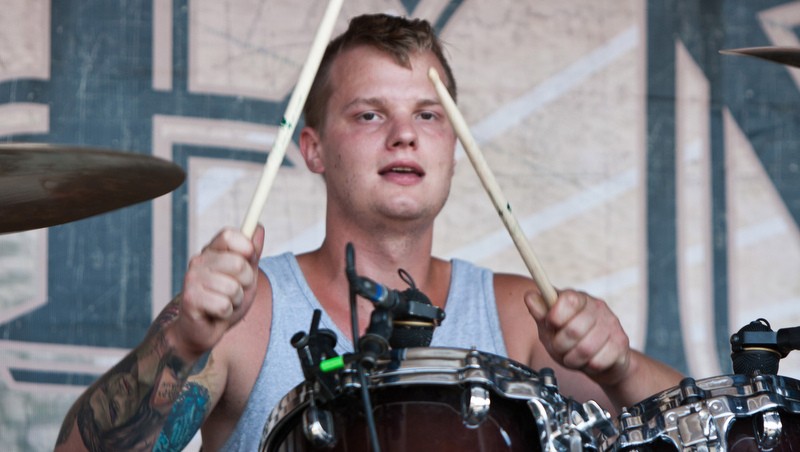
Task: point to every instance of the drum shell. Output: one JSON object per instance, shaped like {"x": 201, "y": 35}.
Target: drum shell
{"x": 419, "y": 418}
{"x": 419, "y": 398}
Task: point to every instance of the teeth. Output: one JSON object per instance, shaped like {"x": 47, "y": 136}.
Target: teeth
{"x": 402, "y": 170}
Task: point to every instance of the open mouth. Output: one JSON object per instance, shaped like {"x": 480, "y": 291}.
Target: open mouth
{"x": 402, "y": 170}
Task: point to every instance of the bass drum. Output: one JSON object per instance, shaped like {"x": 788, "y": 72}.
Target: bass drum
{"x": 733, "y": 413}
{"x": 438, "y": 399}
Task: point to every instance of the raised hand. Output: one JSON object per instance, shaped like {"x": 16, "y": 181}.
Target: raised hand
{"x": 218, "y": 290}
{"x": 580, "y": 332}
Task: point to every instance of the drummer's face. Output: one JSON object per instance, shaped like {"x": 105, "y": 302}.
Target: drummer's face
{"x": 386, "y": 144}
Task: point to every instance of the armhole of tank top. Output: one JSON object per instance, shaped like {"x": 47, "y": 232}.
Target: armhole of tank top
{"x": 494, "y": 321}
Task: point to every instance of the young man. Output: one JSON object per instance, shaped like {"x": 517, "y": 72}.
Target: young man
{"x": 378, "y": 135}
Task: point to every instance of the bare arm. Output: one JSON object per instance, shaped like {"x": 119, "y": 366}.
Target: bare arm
{"x": 581, "y": 333}
{"x": 582, "y": 340}
{"x": 127, "y": 408}
{"x": 195, "y": 402}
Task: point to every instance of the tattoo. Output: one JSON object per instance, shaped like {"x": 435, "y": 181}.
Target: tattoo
{"x": 126, "y": 408}
{"x": 116, "y": 413}
{"x": 201, "y": 363}
{"x": 185, "y": 419}
{"x": 167, "y": 315}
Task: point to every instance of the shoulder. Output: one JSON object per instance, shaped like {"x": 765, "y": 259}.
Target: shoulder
{"x": 519, "y": 329}
{"x": 507, "y": 285}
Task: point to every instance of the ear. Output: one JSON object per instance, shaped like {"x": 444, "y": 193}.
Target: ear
{"x": 310, "y": 147}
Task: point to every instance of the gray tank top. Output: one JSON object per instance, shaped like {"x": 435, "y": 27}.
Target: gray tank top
{"x": 471, "y": 321}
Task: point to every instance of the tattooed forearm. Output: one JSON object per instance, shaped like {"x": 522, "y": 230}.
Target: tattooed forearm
{"x": 126, "y": 408}
{"x": 185, "y": 419}
{"x": 167, "y": 315}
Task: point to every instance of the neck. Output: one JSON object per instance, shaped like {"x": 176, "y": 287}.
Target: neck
{"x": 379, "y": 252}
{"x": 378, "y": 256}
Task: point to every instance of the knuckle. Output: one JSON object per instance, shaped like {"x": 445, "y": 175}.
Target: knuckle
{"x": 240, "y": 265}
{"x": 586, "y": 349}
{"x": 222, "y": 311}
{"x": 571, "y": 333}
{"x": 196, "y": 261}
{"x": 573, "y": 360}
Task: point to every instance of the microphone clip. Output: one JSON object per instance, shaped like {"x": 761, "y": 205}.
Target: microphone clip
{"x": 313, "y": 348}
{"x": 759, "y": 335}
{"x": 756, "y": 348}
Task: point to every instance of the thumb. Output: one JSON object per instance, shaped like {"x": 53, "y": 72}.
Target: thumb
{"x": 536, "y": 305}
{"x": 258, "y": 242}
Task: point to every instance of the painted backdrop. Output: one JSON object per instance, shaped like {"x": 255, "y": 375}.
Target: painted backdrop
{"x": 644, "y": 166}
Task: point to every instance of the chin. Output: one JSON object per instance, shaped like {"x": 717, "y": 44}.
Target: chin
{"x": 416, "y": 213}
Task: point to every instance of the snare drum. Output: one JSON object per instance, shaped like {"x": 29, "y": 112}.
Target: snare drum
{"x": 733, "y": 413}
{"x": 438, "y": 399}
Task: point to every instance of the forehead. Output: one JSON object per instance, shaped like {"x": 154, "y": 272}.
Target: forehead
{"x": 365, "y": 71}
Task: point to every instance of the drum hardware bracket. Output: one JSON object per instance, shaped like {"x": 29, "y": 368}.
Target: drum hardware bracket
{"x": 768, "y": 430}
{"x": 572, "y": 425}
{"x": 581, "y": 420}
{"x": 475, "y": 406}
{"x": 596, "y": 418}
{"x": 700, "y": 414}
{"x": 318, "y": 426}
{"x": 548, "y": 377}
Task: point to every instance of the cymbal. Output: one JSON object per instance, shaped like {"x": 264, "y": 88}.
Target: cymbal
{"x": 789, "y": 56}
{"x": 43, "y": 185}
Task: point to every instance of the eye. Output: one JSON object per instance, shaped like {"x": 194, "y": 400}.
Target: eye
{"x": 368, "y": 116}
{"x": 113, "y": 411}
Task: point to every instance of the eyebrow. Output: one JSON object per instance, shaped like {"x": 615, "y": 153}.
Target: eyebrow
{"x": 370, "y": 101}
{"x": 381, "y": 102}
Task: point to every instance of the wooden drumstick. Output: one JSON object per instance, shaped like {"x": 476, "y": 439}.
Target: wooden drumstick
{"x": 493, "y": 189}
{"x": 291, "y": 116}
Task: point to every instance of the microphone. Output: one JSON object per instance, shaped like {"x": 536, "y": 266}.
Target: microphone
{"x": 407, "y": 319}
{"x": 756, "y": 348}
{"x": 413, "y": 315}
{"x": 415, "y": 321}
{"x": 379, "y": 294}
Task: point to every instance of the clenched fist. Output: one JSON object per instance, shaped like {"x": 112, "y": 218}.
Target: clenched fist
{"x": 580, "y": 332}
{"x": 218, "y": 289}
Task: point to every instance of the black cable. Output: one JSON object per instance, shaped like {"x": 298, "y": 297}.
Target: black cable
{"x": 350, "y": 270}
{"x": 350, "y": 266}
{"x": 368, "y": 415}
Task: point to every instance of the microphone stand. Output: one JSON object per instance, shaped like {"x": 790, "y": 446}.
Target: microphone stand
{"x": 373, "y": 343}
{"x": 417, "y": 318}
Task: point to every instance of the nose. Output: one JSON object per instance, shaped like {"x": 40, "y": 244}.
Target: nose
{"x": 402, "y": 134}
